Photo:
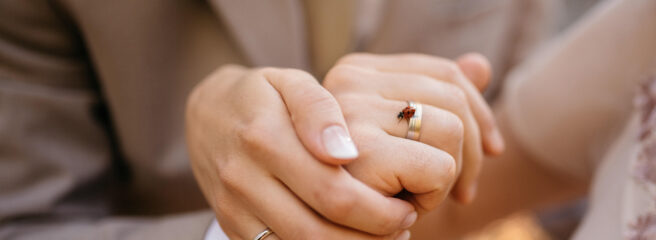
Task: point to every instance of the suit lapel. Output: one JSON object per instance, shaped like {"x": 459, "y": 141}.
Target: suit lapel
{"x": 270, "y": 33}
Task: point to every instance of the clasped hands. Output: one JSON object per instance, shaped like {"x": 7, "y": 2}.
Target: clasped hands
{"x": 273, "y": 148}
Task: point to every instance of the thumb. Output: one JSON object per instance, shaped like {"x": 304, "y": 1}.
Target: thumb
{"x": 316, "y": 115}
{"x": 477, "y": 68}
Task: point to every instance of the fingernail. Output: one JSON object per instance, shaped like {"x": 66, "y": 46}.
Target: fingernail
{"x": 409, "y": 220}
{"x": 405, "y": 235}
{"x": 338, "y": 143}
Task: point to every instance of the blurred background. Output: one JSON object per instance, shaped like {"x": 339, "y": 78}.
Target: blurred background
{"x": 554, "y": 223}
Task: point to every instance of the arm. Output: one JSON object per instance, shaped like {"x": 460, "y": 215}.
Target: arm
{"x": 55, "y": 147}
{"x": 54, "y": 143}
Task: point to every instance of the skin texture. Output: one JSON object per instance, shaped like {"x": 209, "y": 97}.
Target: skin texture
{"x": 254, "y": 138}
{"x": 255, "y": 172}
{"x": 441, "y": 83}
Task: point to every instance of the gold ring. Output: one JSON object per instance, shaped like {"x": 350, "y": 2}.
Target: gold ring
{"x": 414, "y": 123}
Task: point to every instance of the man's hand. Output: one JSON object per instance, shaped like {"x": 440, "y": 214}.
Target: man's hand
{"x": 254, "y": 137}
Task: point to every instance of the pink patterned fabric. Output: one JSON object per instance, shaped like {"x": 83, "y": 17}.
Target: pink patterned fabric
{"x": 644, "y": 170}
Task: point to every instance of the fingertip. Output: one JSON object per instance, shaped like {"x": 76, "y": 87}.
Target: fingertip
{"x": 465, "y": 193}
{"x": 479, "y": 60}
{"x": 476, "y": 68}
{"x": 409, "y": 220}
{"x": 471, "y": 193}
{"x": 458, "y": 196}
{"x": 495, "y": 145}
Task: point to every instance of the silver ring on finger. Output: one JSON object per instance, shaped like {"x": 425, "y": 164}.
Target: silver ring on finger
{"x": 413, "y": 113}
{"x": 263, "y": 234}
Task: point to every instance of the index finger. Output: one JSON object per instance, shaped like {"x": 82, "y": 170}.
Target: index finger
{"x": 328, "y": 189}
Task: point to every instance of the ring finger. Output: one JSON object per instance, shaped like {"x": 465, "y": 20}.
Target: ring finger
{"x": 439, "y": 128}
{"x": 426, "y": 90}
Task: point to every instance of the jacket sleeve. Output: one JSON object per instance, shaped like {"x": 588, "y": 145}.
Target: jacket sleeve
{"x": 55, "y": 146}
{"x": 569, "y": 101}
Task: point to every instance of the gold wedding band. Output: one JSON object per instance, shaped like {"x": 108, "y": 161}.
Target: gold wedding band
{"x": 263, "y": 234}
{"x": 414, "y": 123}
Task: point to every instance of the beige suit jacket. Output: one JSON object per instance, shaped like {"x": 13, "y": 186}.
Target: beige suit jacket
{"x": 92, "y": 94}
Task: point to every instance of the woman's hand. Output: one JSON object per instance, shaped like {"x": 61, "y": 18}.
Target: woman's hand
{"x": 372, "y": 89}
{"x": 254, "y": 137}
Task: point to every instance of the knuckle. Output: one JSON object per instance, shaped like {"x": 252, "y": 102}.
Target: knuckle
{"x": 321, "y": 99}
{"x": 289, "y": 76}
{"x": 449, "y": 170}
{"x": 206, "y": 89}
{"x": 228, "y": 174}
{"x": 455, "y": 126}
{"x": 339, "y": 76}
{"x": 426, "y": 60}
{"x": 341, "y": 208}
{"x": 349, "y": 104}
{"x": 352, "y": 58}
{"x": 426, "y": 167}
{"x": 337, "y": 200}
{"x": 223, "y": 205}
{"x": 451, "y": 69}
{"x": 417, "y": 58}
{"x": 256, "y": 134}
{"x": 298, "y": 74}
{"x": 457, "y": 100}
{"x": 259, "y": 76}
{"x": 420, "y": 79}
{"x": 348, "y": 98}
{"x": 442, "y": 173}
{"x": 260, "y": 73}
{"x": 264, "y": 70}
{"x": 459, "y": 96}
{"x": 316, "y": 104}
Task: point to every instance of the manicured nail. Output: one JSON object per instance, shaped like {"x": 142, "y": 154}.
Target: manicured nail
{"x": 338, "y": 143}
{"x": 409, "y": 220}
{"x": 405, "y": 235}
